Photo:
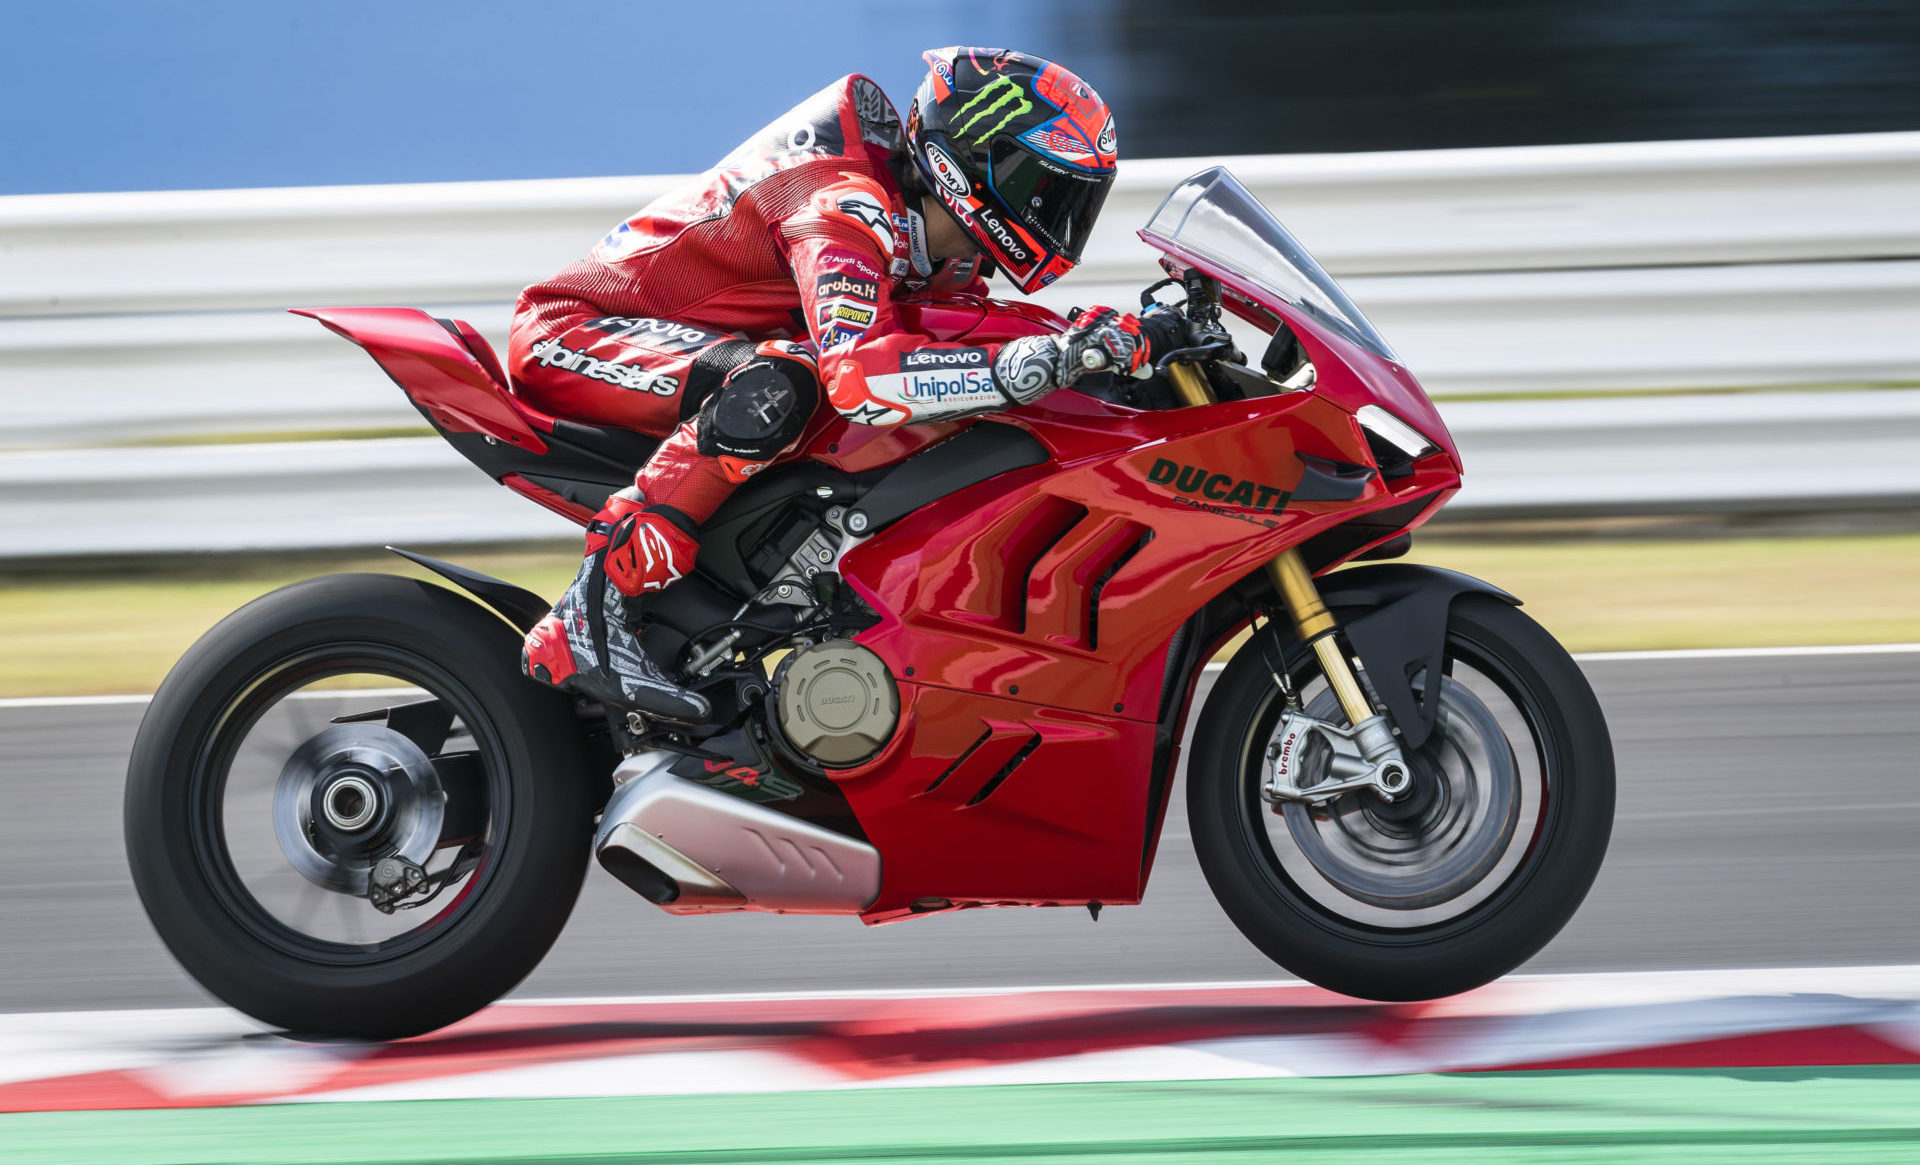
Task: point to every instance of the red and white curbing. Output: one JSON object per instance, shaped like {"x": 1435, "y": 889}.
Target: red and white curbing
{"x": 712, "y": 1044}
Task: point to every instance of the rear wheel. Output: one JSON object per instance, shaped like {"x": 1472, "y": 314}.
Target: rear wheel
{"x": 349, "y": 815}
{"x": 1447, "y": 888}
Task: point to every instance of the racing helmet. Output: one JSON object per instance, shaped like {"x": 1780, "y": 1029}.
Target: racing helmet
{"x": 1019, "y": 151}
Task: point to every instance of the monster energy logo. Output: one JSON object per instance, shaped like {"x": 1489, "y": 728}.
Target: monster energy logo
{"x": 1004, "y": 92}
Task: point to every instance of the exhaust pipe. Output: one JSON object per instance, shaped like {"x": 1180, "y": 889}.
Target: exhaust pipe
{"x": 690, "y": 849}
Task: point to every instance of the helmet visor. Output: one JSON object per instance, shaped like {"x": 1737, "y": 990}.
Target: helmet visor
{"x": 1057, "y": 204}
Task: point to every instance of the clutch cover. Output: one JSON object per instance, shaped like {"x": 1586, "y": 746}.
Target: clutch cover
{"x": 837, "y": 702}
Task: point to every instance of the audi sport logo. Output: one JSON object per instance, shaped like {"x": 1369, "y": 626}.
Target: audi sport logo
{"x": 947, "y": 171}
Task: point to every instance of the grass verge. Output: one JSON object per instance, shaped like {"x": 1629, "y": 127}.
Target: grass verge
{"x": 86, "y": 633}
{"x": 1853, "y": 1114}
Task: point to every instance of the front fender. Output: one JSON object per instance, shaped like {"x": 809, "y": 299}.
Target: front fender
{"x": 1401, "y": 631}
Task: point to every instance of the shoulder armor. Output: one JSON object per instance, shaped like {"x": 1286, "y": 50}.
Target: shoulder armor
{"x": 863, "y": 204}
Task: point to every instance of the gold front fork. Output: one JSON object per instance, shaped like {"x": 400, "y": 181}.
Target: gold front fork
{"x": 1295, "y": 584}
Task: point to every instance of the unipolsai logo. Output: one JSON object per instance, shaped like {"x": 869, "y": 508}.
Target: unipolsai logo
{"x": 968, "y": 383}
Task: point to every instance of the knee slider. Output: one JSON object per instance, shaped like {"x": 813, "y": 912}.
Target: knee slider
{"x": 759, "y": 411}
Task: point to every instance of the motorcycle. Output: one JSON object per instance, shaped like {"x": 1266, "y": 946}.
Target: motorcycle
{"x": 951, "y": 666}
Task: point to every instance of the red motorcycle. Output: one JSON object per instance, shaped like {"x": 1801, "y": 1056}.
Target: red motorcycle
{"x": 951, "y": 666}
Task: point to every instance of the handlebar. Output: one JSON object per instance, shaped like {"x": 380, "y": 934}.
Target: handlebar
{"x": 1212, "y": 350}
{"x": 1201, "y": 307}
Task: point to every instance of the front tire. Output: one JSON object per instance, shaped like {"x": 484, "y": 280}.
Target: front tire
{"x": 1357, "y": 908}
{"x": 273, "y": 917}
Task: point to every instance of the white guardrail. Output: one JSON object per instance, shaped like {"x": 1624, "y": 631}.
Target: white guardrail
{"x": 1540, "y": 270}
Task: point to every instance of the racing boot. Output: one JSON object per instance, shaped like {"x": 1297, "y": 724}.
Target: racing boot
{"x": 587, "y": 645}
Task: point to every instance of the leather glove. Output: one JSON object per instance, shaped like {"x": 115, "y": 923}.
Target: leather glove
{"x": 1166, "y": 331}
{"x": 1099, "y": 340}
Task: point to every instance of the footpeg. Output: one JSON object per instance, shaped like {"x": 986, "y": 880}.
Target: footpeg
{"x": 691, "y": 849}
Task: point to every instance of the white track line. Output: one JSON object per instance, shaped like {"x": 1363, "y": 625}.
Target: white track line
{"x": 70, "y": 701}
{"x": 1583, "y": 657}
{"x": 1750, "y": 652}
{"x": 94, "y": 701}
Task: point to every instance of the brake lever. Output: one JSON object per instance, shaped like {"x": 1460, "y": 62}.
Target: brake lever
{"x": 1212, "y": 350}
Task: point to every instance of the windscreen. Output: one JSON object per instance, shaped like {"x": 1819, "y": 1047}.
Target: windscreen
{"x": 1213, "y": 216}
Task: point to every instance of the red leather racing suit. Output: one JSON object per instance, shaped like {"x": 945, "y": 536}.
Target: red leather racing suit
{"x": 785, "y": 257}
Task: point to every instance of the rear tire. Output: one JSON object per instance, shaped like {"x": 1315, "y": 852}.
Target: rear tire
{"x": 1359, "y": 949}
{"x": 476, "y": 945}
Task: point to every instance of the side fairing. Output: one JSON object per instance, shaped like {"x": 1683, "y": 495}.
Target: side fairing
{"x": 1027, "y": 620}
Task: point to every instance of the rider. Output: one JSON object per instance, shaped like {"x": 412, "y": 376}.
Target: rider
{"x": 715, "y": 315}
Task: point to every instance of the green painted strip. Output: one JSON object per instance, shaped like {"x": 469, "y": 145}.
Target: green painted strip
{"x": 1814, "y": 1114}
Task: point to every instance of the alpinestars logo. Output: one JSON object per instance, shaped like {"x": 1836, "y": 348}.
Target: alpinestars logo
{"x": 1000, "y": 94}
{"x": 870, "y": 214}
{"x": 868, "y": 413}
{"x": 552, "y": 354}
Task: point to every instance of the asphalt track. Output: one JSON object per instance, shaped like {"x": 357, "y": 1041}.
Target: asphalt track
{"x": 1767, "y": 817}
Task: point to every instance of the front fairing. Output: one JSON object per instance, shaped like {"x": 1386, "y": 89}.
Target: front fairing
{"x": 1210, "y": 223}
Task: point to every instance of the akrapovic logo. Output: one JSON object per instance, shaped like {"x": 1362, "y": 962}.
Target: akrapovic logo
{"x": 850, "y": 313}
{"x": 552, "y": 354}
{"x": 1201, "y": 482}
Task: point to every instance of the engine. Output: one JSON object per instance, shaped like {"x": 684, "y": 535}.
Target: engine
{"x": 836, "y": 702}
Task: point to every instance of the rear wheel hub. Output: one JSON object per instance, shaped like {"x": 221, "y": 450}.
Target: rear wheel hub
{"x": 351, "y": 795}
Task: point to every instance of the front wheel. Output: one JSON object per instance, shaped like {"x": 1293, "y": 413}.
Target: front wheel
{"x": 349, "y": 815}
{"x": 1447, "y": 888}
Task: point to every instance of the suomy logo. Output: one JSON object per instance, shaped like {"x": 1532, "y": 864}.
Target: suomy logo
{"x": 947, "y": 171}
{"x": 1199, "y": 481}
